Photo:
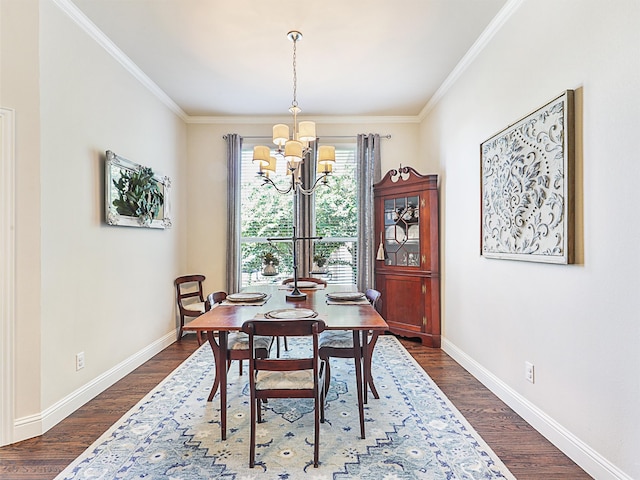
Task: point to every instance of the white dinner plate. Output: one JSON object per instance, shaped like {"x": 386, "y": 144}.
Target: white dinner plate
{"x": 345, "y": 296}
{"x": 246, "y": 296}
{"x": 287, "y": 313}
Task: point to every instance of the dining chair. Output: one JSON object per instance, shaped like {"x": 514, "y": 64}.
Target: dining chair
{"x": 213, "y": 299}
{"x": 237, "y": 343}
{"x": 339, "y": 344}
{"x": 286, "y": 377}
{"x": 190, "y": 299}
{"x": 319, "y": 281}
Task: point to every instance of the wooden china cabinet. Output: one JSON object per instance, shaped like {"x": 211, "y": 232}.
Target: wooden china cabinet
{"x": 407, "y": 272}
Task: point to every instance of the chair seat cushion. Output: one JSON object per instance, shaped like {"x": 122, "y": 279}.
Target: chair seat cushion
{"x": 240, "y": 341}
{"x": 336, "y": 339}
{"x": 197, "y": 307}
{"x": 292, "y": 380}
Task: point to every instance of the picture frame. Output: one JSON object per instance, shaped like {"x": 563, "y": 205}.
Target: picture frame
{"x": 527, "y": 187}
{"x": 149, "y": 198}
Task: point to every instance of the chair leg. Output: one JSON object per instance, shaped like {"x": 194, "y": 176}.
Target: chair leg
{"x": 255, "y": 403}
{"x": 199, "y": 337}
{"x": 240, "y": 367}
{"x": 359, "y": 380}
{"x": 286, "y": 345}
{"x": 327, "y": 377}
{"x": 181, "y": 327}
{"x": 316, "y": 439}
{"x": 323, "y": 393}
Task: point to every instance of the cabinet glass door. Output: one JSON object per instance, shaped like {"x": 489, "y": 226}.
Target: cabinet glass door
{"x": 402, "y": 231}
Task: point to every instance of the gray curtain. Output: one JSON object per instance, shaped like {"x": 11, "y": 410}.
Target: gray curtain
{"x": 306, "y": 222}
{"x": 368, "y": 172}
{"x": 234, "y": 155}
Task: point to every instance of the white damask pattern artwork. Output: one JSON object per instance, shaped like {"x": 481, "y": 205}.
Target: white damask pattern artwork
{"x": 527, "y": 187}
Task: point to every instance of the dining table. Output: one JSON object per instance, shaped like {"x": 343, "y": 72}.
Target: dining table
{"x": 359, "y": 317}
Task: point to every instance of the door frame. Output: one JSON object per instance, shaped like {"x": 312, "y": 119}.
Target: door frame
{"x": 7, "y": 275}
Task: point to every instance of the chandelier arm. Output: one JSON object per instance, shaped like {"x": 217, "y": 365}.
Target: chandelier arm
{"x": 323, "y": 178}
{"x": 267, "y": 180}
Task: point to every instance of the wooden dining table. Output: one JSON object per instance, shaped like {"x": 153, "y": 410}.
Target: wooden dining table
{"x": 361, "y": 319}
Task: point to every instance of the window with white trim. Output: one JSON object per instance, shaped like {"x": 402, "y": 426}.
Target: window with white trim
{"x": 266, "y": 213}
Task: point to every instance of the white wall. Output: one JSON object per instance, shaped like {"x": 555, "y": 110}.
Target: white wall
{"x": 83, "y": 286}
{"x": 19, "y": 91}
{"x": 578, "y": 324}
{"x": 207, "y": 178}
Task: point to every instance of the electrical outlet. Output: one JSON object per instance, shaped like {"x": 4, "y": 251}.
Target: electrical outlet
{"x": 528, "y": 372}
{"x": 79, "y": 361}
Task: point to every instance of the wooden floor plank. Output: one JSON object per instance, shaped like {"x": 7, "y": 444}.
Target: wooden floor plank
{"x": 526, "y": 453}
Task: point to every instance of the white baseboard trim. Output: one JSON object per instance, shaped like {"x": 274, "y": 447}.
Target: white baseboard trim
{"x": 588, "y": 459}
{"x": 35, "y": 425}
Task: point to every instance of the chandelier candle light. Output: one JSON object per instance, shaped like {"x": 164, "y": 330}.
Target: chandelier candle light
{"x": 296, "y": 147}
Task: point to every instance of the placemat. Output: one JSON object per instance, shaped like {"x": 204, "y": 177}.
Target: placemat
{"x": 361, "y": 301}
{"x": 256, "y": 303}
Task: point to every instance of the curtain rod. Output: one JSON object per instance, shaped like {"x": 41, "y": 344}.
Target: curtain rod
{"x": 388, "y": 136}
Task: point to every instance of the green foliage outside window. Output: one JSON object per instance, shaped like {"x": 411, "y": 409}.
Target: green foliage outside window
{"x": 266, "y": 213}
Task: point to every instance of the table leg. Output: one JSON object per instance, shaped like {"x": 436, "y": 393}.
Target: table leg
{"x": 216, "y": 355}
{"x": 359, "y": 382}
{"x": 364, "y": 339}
{"x": 368, "y": 355}
{"x": 220, "y": 355}
{"x": 222, "y": 372}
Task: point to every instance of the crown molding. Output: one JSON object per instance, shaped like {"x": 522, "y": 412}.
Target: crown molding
{"x": 329, "y": 120}
{"x": 69, "y": 8}
{"x": 73, "y": 12}
{"x": 478, "y": 46}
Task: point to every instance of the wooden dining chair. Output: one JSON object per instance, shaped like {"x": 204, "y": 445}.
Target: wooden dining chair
{"x": 286, "y": 377}
{"x": 214, "y": 299}
{"x": 237, "y": 342}
{"x": 339, "y": 344}
{"x": 190, "y": 299}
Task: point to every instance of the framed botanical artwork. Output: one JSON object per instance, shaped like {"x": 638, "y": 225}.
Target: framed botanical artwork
{"x": 527, "y": 187}
{"x": 135, "y": 196}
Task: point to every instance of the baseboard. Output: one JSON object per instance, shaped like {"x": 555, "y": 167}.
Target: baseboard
{"x": 35, "y": 425}
{"x": 588, "y": 459}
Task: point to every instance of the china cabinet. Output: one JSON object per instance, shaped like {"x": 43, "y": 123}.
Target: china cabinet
{"x": 407, "y": 265}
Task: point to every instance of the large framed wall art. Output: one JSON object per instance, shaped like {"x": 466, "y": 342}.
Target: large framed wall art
{"x": 135, "y": 196}
{"x": 527, "y": 187}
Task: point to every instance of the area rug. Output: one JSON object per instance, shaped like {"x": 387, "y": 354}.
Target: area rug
{"x": 412, "y": 431}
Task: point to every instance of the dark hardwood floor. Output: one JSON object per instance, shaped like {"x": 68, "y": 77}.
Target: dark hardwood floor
{"x": 525, "y": 452}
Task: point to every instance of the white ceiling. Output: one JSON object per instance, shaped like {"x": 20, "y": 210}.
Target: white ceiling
{"x": 357, "y": 57}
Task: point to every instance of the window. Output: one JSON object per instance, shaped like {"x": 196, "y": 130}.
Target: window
{"x": 266, "y": 213}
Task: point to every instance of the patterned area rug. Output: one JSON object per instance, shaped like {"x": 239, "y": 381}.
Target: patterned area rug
{"x": 413, "y": 431}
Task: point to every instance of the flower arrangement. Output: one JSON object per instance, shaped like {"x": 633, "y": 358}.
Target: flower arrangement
{"x": 270, "y": 259}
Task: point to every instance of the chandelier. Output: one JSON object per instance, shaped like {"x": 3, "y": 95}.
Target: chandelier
{"x": 295, "y": 147}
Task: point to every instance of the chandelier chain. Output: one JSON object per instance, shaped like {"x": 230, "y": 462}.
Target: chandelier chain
{"x": 295, "y": 76}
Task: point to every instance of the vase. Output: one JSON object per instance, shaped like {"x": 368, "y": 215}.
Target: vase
{"x": 269, "y": 270}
